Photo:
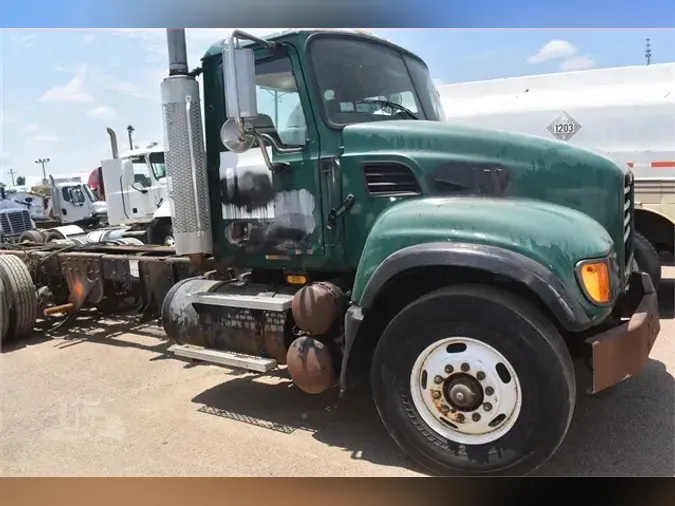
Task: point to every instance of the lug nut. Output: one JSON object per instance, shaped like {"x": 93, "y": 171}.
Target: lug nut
{"x": 445, "y": 409}
{"x": 438, "y": 380}
{"x": 489, "y": 390}
{"x": 465, "y": 367}
{"x": 487, "y": 406}
{"x": 480, "y": 375}
{"x": 460, "y": 417}
{"x": 475, "y": 417}
{"x": 436, "y": 394}
{"x": 449, "y": 369}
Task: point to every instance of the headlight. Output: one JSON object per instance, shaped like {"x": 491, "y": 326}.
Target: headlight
{"x": 593, "y": 276}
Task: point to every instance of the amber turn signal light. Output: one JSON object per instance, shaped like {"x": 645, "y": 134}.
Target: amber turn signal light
{"x": 594, "y": 277}
{"x": 296, "y": 279}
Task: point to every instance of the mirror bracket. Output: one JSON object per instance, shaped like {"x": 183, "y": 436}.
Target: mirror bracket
{"x": 142, "y": 190}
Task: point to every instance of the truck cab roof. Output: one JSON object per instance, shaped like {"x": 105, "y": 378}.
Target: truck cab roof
{"x": 217, "y": 48}
{"x": 141, "y": 151}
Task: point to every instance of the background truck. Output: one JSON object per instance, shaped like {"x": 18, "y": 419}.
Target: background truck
{"x": 67, "y": 201}
{"x": 15, "y": 219}
{"x": 626, "y": 112}
{"x": 460, "y": 269}
{"x": 134, "y": 187}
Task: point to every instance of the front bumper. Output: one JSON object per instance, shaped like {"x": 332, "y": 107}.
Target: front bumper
{"x": 623, "y": 351}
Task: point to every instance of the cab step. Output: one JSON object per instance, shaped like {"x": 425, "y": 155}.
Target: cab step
{"x": 250, "y": 299}
{"x": 226, "y": 358}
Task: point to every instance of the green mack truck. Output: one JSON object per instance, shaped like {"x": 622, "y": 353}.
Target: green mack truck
{"x": 461, "y": 268}
{"x": 327, "y": 221}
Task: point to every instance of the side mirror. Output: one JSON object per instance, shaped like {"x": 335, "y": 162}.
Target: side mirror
{"x": 127, "y": 174}
{"x": 239, "y": 78}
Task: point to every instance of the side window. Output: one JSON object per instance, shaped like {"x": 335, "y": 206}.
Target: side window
{"x": 78, "y": 195}
{"x": 279, "y": 107}
{"x": 141, "y": 172}
{"x": 158, "y": 166}
{"x": 65, "y": 193}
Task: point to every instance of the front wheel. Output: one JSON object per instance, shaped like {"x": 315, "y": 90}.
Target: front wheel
{"x": 161, "y": 232}
{"x": 471, "y": 380}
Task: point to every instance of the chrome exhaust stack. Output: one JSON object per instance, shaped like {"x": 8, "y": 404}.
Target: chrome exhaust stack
{"x": 185, "y": 155}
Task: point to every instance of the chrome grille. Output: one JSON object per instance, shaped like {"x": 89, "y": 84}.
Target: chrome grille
{"x": 15, "y": 222}
{"x": 628, "y": 192}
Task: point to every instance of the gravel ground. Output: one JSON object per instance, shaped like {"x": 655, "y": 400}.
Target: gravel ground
{"x": 107, "y": 400}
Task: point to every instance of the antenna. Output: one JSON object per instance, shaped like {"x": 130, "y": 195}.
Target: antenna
{"x": 648, "y": 50}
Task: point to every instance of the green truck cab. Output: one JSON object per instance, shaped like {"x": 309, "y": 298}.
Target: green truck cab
{"x": 460, "y": 269}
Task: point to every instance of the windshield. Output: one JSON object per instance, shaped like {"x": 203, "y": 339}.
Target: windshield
{"x": 90, "y": 193}
{"x": 368, "y": 81}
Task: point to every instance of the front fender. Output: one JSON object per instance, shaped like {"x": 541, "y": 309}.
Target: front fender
{"x": 163, "y": 211}
{"x": 542, "y": 239}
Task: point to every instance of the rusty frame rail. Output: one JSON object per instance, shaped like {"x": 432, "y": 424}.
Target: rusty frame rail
{"x": 86, "y": 275}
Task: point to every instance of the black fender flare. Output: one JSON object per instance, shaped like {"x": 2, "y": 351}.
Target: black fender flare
{"x": 493, "y": 259}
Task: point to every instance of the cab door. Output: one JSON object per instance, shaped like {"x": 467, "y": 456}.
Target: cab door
{"x": 276, "y": 213}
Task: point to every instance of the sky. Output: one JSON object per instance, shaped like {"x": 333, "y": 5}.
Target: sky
{"x": 60, "y": 89}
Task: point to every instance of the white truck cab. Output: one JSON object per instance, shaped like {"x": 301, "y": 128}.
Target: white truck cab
{"x": 73, "y": 202}
{"x": 136, "y": 190}
{"x": 135, "y": 185}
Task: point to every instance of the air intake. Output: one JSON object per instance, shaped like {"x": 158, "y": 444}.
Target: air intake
{"x": 388, "y": 179}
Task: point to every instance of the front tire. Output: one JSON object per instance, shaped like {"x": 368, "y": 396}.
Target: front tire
{"x": 161, "y": 232}
{"x": 505, "y": 358}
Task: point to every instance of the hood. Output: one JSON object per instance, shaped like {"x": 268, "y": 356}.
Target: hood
{"x": 452, "y": 160}
{"x": 99, "y": 207}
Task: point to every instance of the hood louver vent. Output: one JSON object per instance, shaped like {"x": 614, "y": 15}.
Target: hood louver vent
{"x": 390, "y": 179}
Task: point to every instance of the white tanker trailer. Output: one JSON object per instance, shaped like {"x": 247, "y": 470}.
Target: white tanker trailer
{"x": 626, "y": 112}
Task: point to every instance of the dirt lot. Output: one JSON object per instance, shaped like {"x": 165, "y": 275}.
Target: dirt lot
{"x": 108, "y": 400}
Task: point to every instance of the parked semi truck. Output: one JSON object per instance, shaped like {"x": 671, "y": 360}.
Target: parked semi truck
{"x": 460, "y": 269}
{"x": 68, "y": 201}
{"x": 134, "y": 187}
{"x": 15, "y": 219}
{"x": 626, "y": 112}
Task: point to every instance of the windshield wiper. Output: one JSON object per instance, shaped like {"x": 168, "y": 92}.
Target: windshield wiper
{"x": 393, "y": 105}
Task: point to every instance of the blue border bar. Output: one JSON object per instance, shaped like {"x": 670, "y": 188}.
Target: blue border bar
{"x": 337, "y": 13}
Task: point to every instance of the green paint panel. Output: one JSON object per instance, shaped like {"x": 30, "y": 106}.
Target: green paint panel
{"x": 540, "y": 169}
{"x": 555, "y": 236}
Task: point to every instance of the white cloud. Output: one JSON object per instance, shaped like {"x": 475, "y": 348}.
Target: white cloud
{"x": 6, "y": 117}
{"x": 72, "y": 91}
{"x": 102, "y": 112}
{"x": 438, "y": 82}
{"x": 552, "y": 50}
{"x": 88, "y": 37}
{"x": 31, "y": 128}
{"x": 153, "y": 41}
{"x": 24, "y": 40}
{"x": 44, "y": 138}
{"x": 577, "y": 63}
{"x": 127, "y": 88}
